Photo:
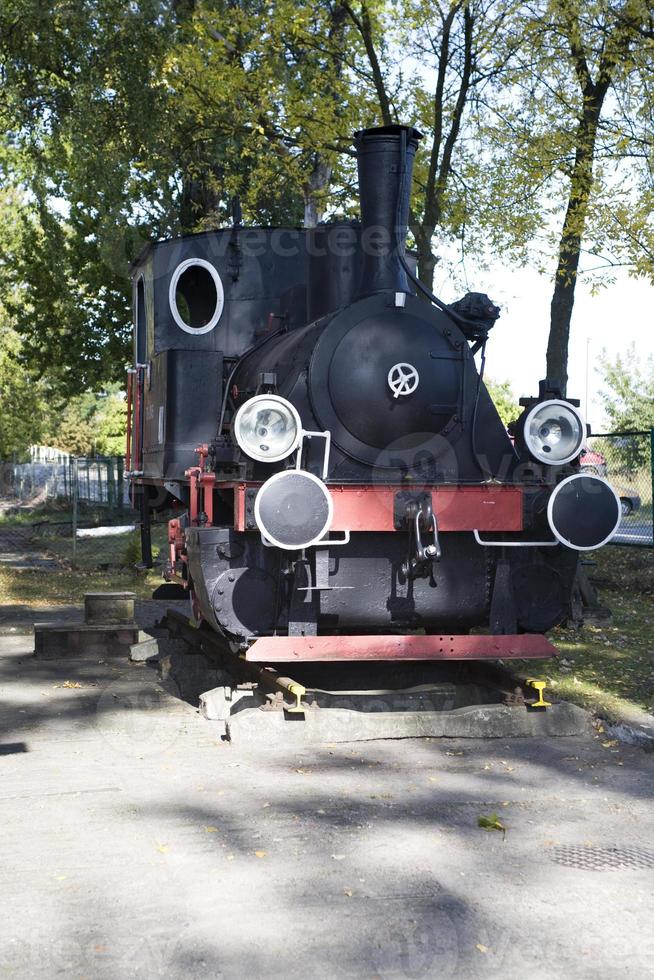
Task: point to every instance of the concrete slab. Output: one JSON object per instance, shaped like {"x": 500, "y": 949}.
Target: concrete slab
{"x": 247, "y": 724}
{"x": 136, "y": 843}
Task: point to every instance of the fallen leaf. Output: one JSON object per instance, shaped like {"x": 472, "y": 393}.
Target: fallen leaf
{"x": 260, "y": 854}
{"x": 481, "y": 947}
{"x": 491, "y": 823}
{"x": 348, "y": 892}
{"x": 609, "y": 745}
{"x": 211, "y": 830}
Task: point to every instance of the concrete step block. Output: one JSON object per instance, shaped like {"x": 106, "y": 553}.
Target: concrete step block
{"x": 147, "y": 648}
{"x": 107, "y": 608}
{"x": 53, "y": 641}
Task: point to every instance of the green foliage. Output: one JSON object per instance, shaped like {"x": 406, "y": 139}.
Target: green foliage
{"x": 131, "y": 552}
{"x": 83, "y": 110}
{"x": 22, "y": 399}
{"x": 23, "y": 396}
{"x": 111, "y": 424}
{"x": 628, "y": 398}
{"x": 91, "y": 425}
{"x": 505, "y": 401}
{"x": 628, "y": 395}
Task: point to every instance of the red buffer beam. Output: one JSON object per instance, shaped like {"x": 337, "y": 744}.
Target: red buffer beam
{"x": 291, "y": 649}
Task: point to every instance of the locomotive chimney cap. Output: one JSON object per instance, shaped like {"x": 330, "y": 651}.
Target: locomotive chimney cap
{"x": 383, "y": 131}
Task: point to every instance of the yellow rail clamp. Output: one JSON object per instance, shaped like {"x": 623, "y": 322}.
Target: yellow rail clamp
{"x": 298, "y": 693}
{"x": 539, "y": 687}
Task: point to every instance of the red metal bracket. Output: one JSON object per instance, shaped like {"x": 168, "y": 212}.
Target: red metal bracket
{"x": 128, "y": 432}
{"x": 290, "y": 649}
{"x": 175, "y": 553}
{"x": 201, "y": 486}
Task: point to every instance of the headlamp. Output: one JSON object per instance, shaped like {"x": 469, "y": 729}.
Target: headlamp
{"x": 267, "y": 428}
{"x": 554, "y": 432}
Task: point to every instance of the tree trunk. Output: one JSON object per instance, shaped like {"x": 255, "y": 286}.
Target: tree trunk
{"x": 199, "y": 202}
{"x": 567, "y": 268}
{"x": 427, "y": 261}
{"x": 561, "y": 313}
{"x": 314, "y": 192}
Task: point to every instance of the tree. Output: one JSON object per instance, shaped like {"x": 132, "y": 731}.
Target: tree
{"x": 505, "y": 401}
{"x": 23, "y": 397}
{"x": 132, "y": 121}
{"x": 23, "y": 415}
{"x": 578, "y": 85}
{"x": 127, "y": 122}
{"x": 267, "y": 95}
{"x": 599, "y": 43}
{"x": 112, "y": 421}
{"x": 84, "y": 113}
{"x": 462, "y": 49}
{"x": 628, "y": 398}
{"x": 628, "y": 395}
{"x": 90, "y": 424}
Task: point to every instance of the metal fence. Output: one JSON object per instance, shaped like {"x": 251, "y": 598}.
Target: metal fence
{"x": 94, "y": 479}
{"x": 625, "y": 459}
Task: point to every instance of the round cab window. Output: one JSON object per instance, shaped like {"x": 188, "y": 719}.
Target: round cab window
{"x": 196, "y": 296}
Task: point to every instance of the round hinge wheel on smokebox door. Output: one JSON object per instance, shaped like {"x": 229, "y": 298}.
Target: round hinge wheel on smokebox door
{"x": 293, "y": 510}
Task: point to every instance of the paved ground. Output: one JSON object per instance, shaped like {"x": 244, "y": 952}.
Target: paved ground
{"x": 17, "y": 550}
{"x": 136, "y": 844}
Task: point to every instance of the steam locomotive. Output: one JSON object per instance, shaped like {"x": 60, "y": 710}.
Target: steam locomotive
{"x": 344, "y": 485}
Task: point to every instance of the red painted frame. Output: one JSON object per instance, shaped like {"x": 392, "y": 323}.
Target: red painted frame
{"x": 328, "y": 649}
{"x": 371, "y": 508}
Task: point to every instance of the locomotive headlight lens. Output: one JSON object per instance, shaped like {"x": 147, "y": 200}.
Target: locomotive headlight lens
{"x": 554, "y": 432}
{"x": 267, "y": 428}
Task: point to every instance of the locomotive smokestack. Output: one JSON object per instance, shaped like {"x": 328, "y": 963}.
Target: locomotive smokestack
{"x": 385, "y": 164}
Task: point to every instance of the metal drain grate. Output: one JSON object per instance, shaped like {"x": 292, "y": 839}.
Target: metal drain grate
{"x": 601, "y": 858}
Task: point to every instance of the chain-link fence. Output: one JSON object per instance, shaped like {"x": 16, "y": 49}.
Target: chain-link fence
{"x": 625, "y": 459}
{"x": 97, "y": 480}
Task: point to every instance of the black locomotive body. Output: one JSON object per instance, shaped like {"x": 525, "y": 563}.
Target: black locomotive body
{"x": 338, "y": 464}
